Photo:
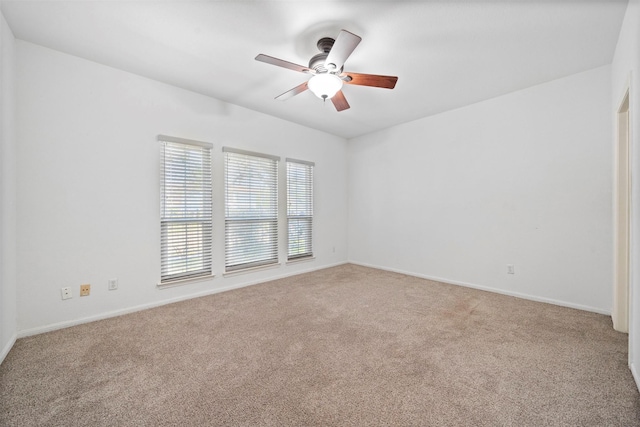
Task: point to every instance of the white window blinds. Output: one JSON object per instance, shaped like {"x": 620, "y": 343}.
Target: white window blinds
{"x": 185, "y": 209}
{"x": 299, "y": 209}
{"x": 251, "y": 209}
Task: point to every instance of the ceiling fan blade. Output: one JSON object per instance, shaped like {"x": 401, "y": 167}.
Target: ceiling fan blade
{"x": 339, "y": 101}
{"x": 387, "y": 82}
{"x": 282, "y": 63}
{"x": 342, "y": 48}
{"x": 292, "y": 92}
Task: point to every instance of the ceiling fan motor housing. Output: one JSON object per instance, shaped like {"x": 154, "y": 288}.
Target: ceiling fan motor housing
{"x": 317, "y": 62}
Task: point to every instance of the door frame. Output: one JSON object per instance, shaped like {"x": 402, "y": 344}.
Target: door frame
{"x": 622, "y": 214}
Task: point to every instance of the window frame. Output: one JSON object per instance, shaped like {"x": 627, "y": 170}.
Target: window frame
{"x": 235, "y": 260}
{"x": 308, "y": 216}
{"x": 198, "y": 198}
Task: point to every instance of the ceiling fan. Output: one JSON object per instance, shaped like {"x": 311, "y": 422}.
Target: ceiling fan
{"x": 327, "y": 72}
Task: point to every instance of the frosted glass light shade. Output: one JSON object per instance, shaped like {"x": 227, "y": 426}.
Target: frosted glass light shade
{"x": 324, "y": 86}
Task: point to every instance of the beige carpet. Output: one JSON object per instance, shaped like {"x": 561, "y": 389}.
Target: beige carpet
{"x": 343, "y": 346}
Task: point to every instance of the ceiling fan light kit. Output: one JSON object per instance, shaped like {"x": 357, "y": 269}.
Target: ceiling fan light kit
{"x": 325, "y": 86}
{"x": 327, "y": 71}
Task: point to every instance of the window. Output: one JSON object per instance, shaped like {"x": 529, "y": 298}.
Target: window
{"x": 299, "y": 208}
{"x": 185, "y": 209}
{"x": 251, "y": 209}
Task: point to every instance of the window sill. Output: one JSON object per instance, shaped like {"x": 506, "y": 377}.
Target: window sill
{"x": 180, "y": 282}
{"x": 251, "y": 269}
{"x": 298, "y": 260}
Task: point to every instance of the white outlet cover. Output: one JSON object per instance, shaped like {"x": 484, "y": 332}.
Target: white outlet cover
{"x": 113, "y": 284}
{"x": 66, "y": 293}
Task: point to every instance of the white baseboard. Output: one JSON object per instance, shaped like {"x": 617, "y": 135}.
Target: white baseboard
{"x": 489, "y": 289}
{"x": 120, "y": 312}
{"x": 636, "y": 374}
{"x": 7, "y": 348}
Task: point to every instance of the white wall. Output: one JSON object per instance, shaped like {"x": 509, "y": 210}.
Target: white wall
{"x": 626, "y": 66}
{"x": 88, "y": 185}
{"x": 522, "y": 179}
{"x": 8, "y": 314}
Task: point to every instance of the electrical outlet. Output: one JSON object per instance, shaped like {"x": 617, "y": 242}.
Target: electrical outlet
{"x": 510, "y": 269}
{"x": 85, "y": 290}
{"x": 113, "y": 284}
{"x": 66, "y": 292}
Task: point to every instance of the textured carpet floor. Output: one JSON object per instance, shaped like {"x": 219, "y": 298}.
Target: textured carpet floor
{"x": 342, "y": 346}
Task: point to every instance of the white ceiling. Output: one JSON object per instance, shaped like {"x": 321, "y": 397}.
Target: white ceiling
{"x": 447, "y": 54}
